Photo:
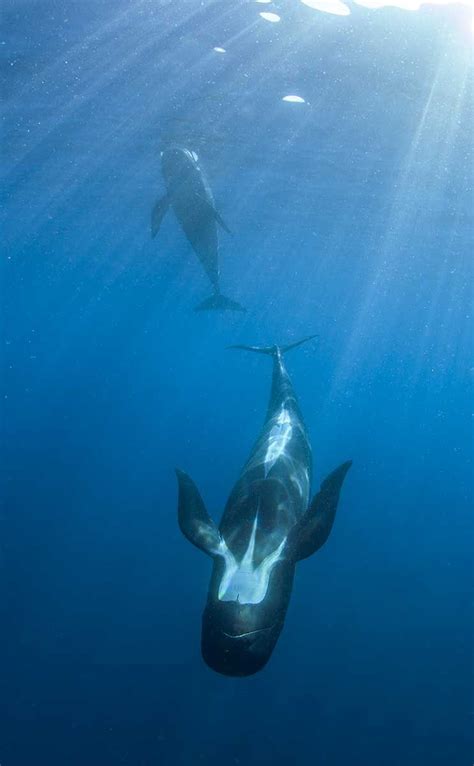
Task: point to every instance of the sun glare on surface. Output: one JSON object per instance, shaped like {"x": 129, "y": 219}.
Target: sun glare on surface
{"x": 337, "y": 7}
{"x": 410, "y": 5}
{"x": 272, "y": 17}
{"x": 343, "y": 7}
{"x": 293, "y": 99}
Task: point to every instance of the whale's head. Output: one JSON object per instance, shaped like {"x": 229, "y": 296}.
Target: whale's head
{"x": 176, "y": 162}
{"x": 249, "y": 591}
{"x": 245, "y": 610}
{"x": 237, "y": 640}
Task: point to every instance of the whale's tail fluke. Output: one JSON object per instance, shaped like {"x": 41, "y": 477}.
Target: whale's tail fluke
{"x": 275, "y": 350}
{"x": 219, "y": 302}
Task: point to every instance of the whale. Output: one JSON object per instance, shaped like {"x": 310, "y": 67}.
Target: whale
{"x": 269, "y": 524}
{"x": 189, "y": 195}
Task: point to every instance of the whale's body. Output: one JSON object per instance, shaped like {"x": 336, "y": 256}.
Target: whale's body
{"x": 190, "y": 196}
{"x": 267, "y": 526}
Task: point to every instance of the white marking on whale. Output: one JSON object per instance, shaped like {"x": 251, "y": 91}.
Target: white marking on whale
{"x": 278, "y": 439}
{"x": 241, "y": 581}
{"x": 247, "y": 634}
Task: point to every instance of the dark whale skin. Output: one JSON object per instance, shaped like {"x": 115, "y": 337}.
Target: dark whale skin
{"x": 268, "y": 525}
{"x": 193, "y": 204}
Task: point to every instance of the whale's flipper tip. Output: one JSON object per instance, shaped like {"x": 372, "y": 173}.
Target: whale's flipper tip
{"x": 315, "y": 526}
{"x": 194, "y": 521}
{"x": 219, "y": 302}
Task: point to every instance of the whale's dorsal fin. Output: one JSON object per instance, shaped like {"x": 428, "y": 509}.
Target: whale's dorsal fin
{"x": 316, "y": 524}
{"x": 194, "y": 521}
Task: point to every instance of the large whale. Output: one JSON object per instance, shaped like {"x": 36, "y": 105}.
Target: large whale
{"x": 268, "y": 526}
{"x": 189, "y": 195}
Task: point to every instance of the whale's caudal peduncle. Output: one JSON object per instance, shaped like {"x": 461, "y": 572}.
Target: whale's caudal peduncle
{"x": 266, "y": 528}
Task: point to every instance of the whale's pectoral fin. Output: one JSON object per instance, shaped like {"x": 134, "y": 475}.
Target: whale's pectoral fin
{"x": 194, "y": 521}
{"x": 158, "y": 213}
{"x": 316, "y": 524}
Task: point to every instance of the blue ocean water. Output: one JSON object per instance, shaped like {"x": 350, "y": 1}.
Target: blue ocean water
{"x": 351, "y": 217}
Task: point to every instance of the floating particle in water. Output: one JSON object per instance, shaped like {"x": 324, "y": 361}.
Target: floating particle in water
{"x": 294, "y": 99}
{"x": 218, "y": 49}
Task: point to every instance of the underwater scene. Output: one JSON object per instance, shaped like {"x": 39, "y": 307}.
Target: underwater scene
{"x": 237, "y": 373}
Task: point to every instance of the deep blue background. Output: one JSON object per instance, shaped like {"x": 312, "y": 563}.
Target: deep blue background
{"x": 352, "y": 218}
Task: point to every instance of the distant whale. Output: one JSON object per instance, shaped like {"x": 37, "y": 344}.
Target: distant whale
{"x": 268, "y": 526}
{"x": 190, "y": 196}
